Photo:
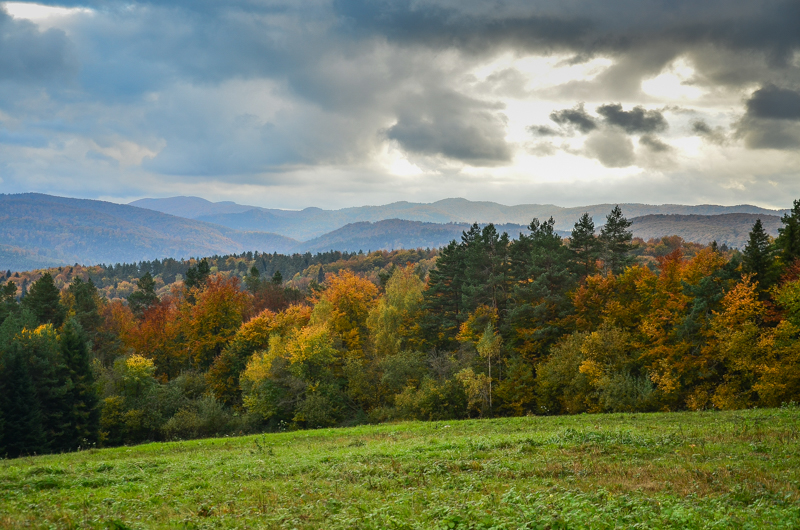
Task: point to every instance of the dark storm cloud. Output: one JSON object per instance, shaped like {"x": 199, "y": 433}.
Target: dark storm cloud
{"x": 774, "y": 103}
{"x": 771, "y": 120}
{"x": 575, "y": 117}
{"x": 452, "y": 125}
{"x": 637, "y": 120}
{"x": 28, "y": 55}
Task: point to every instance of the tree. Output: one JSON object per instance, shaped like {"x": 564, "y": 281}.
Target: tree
{"x": 277, "y": 279}
{"x": 82, "y": 412}
{"x": 197, "y": 276}
{"x": 145, "y": 297}
{"x": 44, "y": 300}
{"x": 8, "y": 300}
{"x": 23, "y": 433}
{"x": 253, "y": 280}
{"x": 616, "y": 240}
{"x": 758, "y": 257}
{"x": 585, "y": 245}
{"x": 443, "y": 301}
{"x": 788, "y": 241}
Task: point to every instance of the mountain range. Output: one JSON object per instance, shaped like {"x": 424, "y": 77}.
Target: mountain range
{"x": 38, "y": 230}
{"x": 310, "y": 223}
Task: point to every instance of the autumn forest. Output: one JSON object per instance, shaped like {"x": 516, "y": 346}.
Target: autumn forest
{"x": 487, "y": 326}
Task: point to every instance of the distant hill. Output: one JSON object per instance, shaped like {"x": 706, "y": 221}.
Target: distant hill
{"x": 732, "y": 229}
{"x": 314, "y": 222}
{"x": 38, "y": 230}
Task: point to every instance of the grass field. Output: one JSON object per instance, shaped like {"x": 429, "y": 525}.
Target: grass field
{"x": 677, "y": 470}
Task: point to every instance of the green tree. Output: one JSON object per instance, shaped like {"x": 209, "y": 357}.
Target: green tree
{"x": 82, "y": 412}
{"x": 85, "y": 305}
{"x": 616, "y": 240}
{"x": 443, "y": 301}
{"x": 8, "y": 301}
{"x": 197, "y": 276}
{"x": 145, "y": 297}
{"x": 585, "y": 245}
{"x": 253, "y": 280}
{"x": 788, "y": 241}
{"x": 22, "y": 432}
{"x": 758, "y": 257}
{"x": 277, "y": 279}
{"x": 44, "y": 301}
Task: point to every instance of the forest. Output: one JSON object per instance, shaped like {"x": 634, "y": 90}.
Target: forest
{"x": 487, "y": 326}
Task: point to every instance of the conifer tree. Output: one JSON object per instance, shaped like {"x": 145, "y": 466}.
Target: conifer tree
{"x": 443, "y": 300}
{"x": 788, "y": 241}
{"x": 253, "y": 280}
{"x": 277, "y": 278}
{"x": 22, "y": 432}
{"x": 8, "y": 301}
{"x": 82, "y": 414}
{"x": 43, "y": 299}
{"x": 85, "y": 307}
{"x": 197, "y": 276}
{"x": 758, "y": 257}
{"x": 616, "y": 240}
{"x": 145, "y": 297}
{"x": 585, "y": 245}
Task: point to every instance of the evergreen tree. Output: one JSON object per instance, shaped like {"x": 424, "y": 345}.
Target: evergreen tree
{"x": 543, "y": 276}
{"x": 788, "y": 241}
{"x": 616, "y": 240}
{"x": 277, "y": 279}
{"x": 485, "y": 269}
{"x": 82, "y": 413}
{"x": 585, "y": 245}
{"x": 758, "y": 257}
{"x": 43, "y": 299}
{"x": 8, "y": 300}
{"x": 197, "y": 276}
{"x": 145, "y": 297}
{"x": 253, "y": 280}
{"x": 22, "y": 433}
{"x": 85, "y": 305}
{"x": 443, "y": 300}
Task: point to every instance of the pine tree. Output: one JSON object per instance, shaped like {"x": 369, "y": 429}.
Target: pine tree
{"x": 8, "y": 301}
{"x": 758, "y": 257}
{"x": 85, "y": 305}
{"x": 443, "y": 300}
{"x": 145, "y": 297}
{"x": 585, "y": 245}
{"x": 197, "y": 276}
{"x": 43, "y": 299}
{"x": 82, "y": 413}
{"x": 22, "y": 433}
{"x": 253, "y": 280}
{"x": 277, "y": 278}
{"x": 788, "y": 241}
{"x": 616, "y": 240}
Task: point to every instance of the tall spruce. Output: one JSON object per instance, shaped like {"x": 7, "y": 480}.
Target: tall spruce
{"x": 85, "y": 306}
{"x": 543, "y": 273}
{"x": 788, "y": 241}
{"x": 145, "y": 297}
{"x": 43, "y": 299}
{"x": 197, "y": 276}
{"x": 758, "y": 257}
{"x": 8, "y": 301}
{"x": 585, "y": 244}
{"x": 443, "y": 300}
{"x": 485, "y": 268}
{"x": 616, "y": 240}
{"x": 82, "y": 419}
{"x": 22, "y": 416}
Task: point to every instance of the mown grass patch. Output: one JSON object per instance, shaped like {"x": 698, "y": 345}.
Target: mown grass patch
{"x": 676, "y": 470}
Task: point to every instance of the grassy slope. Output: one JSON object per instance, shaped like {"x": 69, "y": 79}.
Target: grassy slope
{"x": 680, "y": 470}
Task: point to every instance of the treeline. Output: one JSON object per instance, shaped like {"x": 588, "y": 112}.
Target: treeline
{"x": 536, "y": 325}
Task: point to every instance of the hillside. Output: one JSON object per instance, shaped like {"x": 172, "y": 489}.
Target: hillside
{"x": 313, "y": 222}
{"x": 731, "y": 229}
{"x": 735, "y": 469}
{"x": 47, "y": 230}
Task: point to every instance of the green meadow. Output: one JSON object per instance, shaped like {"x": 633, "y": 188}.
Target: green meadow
{"x": 672, "y": 470}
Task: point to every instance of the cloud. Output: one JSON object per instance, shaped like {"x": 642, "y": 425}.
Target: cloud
{"x": 715, "y": 135}
{"x": 28, "y": 55}
{"x": 654, "y": 144}
{"x": 575, "y": 117}
{"x": 774, "y": 103}
{"x": 637, "y": 120}
{"x": 542, "y": 130}
{"x": 612, "y": 148}
{"x": 772, "y": 120}
{"x": 453, "y": 126}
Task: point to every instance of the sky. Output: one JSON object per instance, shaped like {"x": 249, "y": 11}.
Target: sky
{"x": 337, "y": 103}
